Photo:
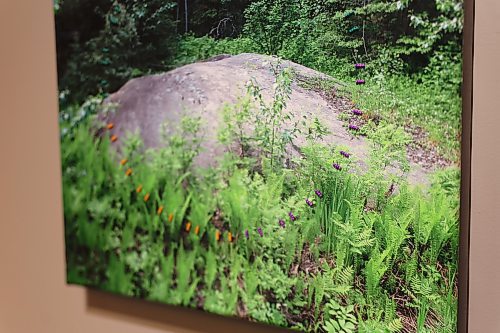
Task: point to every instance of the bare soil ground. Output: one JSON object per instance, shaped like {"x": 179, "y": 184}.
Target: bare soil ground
{"x": 201, "y": 89}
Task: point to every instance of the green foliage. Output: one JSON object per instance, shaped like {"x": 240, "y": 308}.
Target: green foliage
{"x": 118, "y": 279}
{"x": 57, "y": 5}
{"x": 136, "y": 38}
{"x": 270, "y": 132}
{"x": 432, "y": 27}
{"x": 183, "y": 145}
{"x": 192, "y": 49}
{"x": 270, "y": 23}
{"x": 234, "y": 130}
{"x": 238, "y": 203}
{"x": 339, "y": 319}
{"x": 140, "y": 253}
{"x": 161, "y": 288}
{"x": 186, "y": 280}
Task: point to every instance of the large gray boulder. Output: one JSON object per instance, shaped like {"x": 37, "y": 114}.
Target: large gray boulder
{"x": 201, "y": 89}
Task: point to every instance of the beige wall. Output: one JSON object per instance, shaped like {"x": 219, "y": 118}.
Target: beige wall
{"x": 33, "y": 294}
{"x": 484, "y": 290}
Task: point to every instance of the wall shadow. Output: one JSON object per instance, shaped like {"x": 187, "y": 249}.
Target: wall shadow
{"x": 172, "y": 318}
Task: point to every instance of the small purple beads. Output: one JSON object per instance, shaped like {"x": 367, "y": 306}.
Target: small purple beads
{"x": 261, "y": 233}
{"x": 353, "y": 127}
{"x": 282, "y": 223}
{"x": 318, "y": 193}
{"x": 309, "y": 203}
{"x": 247, "y": 235}
{"x": 292, "y": 217}
{"x": 359, "y": 66}
{"x": 357, "y": 112}
{"x": 359, "y": 82}
{"x": 345, "y": 154}
{"x": 337, "y": 166}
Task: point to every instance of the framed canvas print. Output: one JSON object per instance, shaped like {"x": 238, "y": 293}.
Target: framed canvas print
{"x": 290, "y": 162}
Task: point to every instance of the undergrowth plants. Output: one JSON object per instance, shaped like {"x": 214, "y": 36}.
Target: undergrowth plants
{"x": 309, "y": 246}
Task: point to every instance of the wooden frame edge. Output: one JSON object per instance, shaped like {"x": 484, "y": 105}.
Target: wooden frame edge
{"x": 466, "y": 161}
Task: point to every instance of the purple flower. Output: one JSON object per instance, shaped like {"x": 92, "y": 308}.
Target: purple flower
{"x": 318, "y": 193}
{"x": 247, "y": 235}
{"x": 345, "y": 154}
{"x": 259, "y": 230}
{"x": 282, "y": 223}
{"x": 357, "y": 112}
{"x": 360, "y": 66}
{"x": 358, "y": 82}
{"x": 336, "y": 166}
{"x": 292, "y": 217}
{"x": 353, "y": 127}
{"x": 309, "y": 203}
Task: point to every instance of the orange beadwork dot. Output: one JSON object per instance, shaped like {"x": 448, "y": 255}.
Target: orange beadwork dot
{"x": 197, "y": 230}
{"x": 170, "y": 217}
{"x": 124, "y": 161}
{"x": 114, "y": 138}
{"x": 188, "y": 226}
{"x": 146, "y": 197}
{"x": 229, "y": 237}
{"x": 160, "y": 210}
{"x": 110, "y": 126}
{"x": 129, "y": 172}
{"x": 139, "y": 189}
{"x": 217, "y": 235}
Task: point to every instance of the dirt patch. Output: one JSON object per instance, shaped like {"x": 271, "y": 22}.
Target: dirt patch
{"x": 422, "y": 152}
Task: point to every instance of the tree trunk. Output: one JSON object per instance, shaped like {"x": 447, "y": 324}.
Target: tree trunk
{"x": 177, "y": 17}
{"x": 186, "y": 13}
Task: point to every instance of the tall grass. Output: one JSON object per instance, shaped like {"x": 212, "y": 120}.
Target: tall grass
{"x": 400, "y": 255}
